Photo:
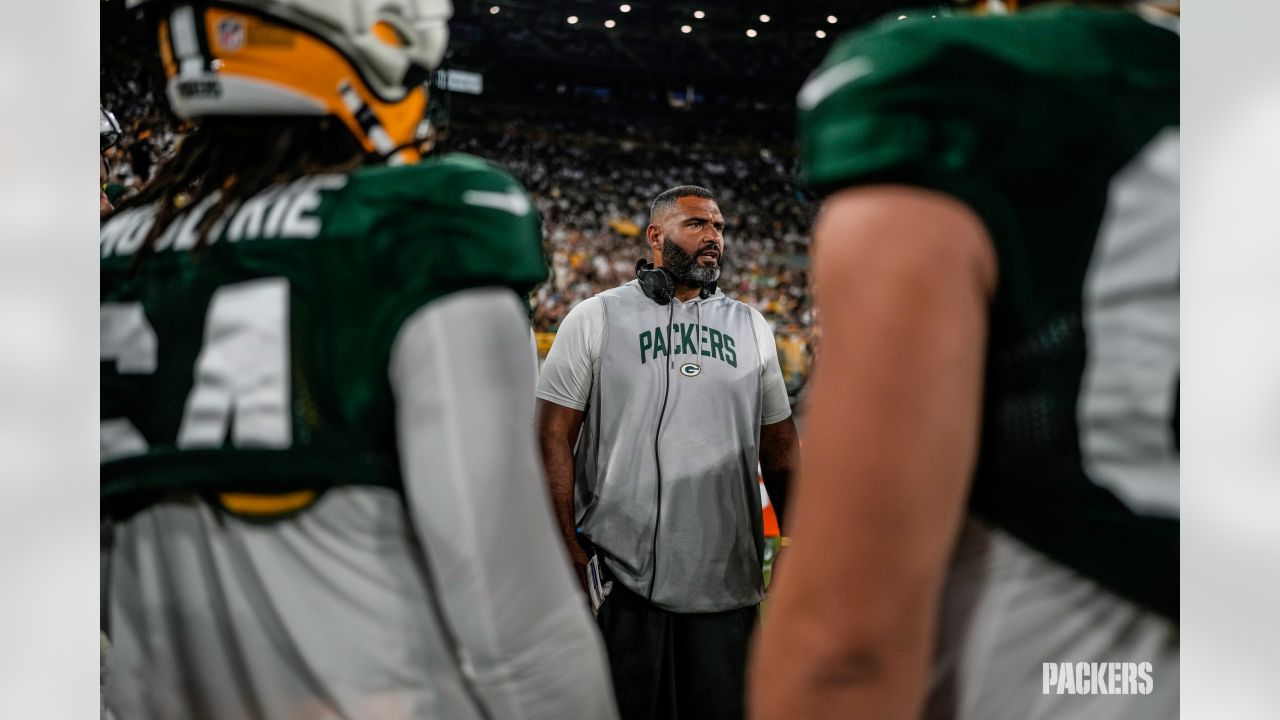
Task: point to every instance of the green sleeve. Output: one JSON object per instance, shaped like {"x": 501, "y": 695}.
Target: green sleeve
{"x": 115, "y": 192}
{"x": 454, "y": 223}
{"x": 902, "y": 104}
{"x": 439, "y": 227}
{"x": 1024, "y": 118}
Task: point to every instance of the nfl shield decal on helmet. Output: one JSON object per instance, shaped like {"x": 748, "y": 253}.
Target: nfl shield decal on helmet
{"x": 231, "y": 34}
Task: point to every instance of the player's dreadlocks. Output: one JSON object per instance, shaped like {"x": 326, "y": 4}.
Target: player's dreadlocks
{"x": 238, "y": 158}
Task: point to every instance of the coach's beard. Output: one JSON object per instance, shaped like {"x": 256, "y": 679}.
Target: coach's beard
{"x": 685, "y": 267}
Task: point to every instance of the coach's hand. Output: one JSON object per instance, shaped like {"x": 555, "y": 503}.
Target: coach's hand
{"x": 578, "y": 557}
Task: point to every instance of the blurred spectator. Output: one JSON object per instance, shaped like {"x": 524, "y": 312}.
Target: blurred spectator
{"x": 134, "y": 91}
{"x": 590, "y": 176}
{"x": 591, "y": 181}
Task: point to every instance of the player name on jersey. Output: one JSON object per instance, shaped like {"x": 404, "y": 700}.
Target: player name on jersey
{"x": 282, "y": 212}
{"x": 263, "y": 362}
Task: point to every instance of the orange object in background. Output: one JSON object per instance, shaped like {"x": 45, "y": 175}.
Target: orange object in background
{"x": 770, "y": 517}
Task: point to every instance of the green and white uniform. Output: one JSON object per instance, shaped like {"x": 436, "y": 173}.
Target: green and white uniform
{"x": 361, "y": 336}
{"x": 1059, "y": 128}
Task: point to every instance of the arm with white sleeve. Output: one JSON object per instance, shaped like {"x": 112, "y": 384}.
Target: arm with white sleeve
{"x": 464, "y": 390}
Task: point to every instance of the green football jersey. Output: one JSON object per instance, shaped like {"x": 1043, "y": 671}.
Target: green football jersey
{"x": 258, "y": 362}
{"x": 1059, "y": 128}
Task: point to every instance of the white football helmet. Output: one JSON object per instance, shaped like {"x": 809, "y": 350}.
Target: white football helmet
{"x": 363, "y": 61}
{"x": 109, "y": 132}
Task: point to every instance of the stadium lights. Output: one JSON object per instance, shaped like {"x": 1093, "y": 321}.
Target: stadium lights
{"x": 764, "y": 18}
{"x": 751, "y": 32}
{"x": 686, "y": 29}
{"x": 609, "y": 23}
{"x": 573, "y": 19}
{"x": 832, "y": 19}
{"x": 624, "y": 8}
{"x": 821, "y": 34}
{"x": 699, "y": 14}
{"x": 495, "y": 10}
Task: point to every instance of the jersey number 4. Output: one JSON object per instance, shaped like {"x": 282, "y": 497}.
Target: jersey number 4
{"x": 241, "y": 375}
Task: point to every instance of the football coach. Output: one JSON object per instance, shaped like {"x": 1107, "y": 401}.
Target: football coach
{"x": 658, "y": 402}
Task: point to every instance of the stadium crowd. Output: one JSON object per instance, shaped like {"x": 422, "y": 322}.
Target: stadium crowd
{"x": 592, "y": 185}
{"x": 592, "y": 181}
{"x": 135, "y": 94}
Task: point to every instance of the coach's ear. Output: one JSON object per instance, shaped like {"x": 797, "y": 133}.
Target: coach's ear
{"x": 653, "y": 235}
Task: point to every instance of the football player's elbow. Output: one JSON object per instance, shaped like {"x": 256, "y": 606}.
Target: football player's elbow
{"x": 838, "y": 655}
{"x": 883, "y": 622}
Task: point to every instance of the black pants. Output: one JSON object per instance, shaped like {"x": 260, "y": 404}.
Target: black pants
{"x": 676, "y": 666}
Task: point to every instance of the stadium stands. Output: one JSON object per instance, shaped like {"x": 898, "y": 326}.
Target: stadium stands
{"x": 595, "y": 124}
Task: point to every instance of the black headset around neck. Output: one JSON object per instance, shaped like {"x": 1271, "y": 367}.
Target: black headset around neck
{"x": 659, "y": 285}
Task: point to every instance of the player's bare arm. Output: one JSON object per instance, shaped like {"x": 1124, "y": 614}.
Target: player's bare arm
{"x": 557, "y": 432}
{"x": 904, "y": 279}
{"x": 779, "y": 449}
